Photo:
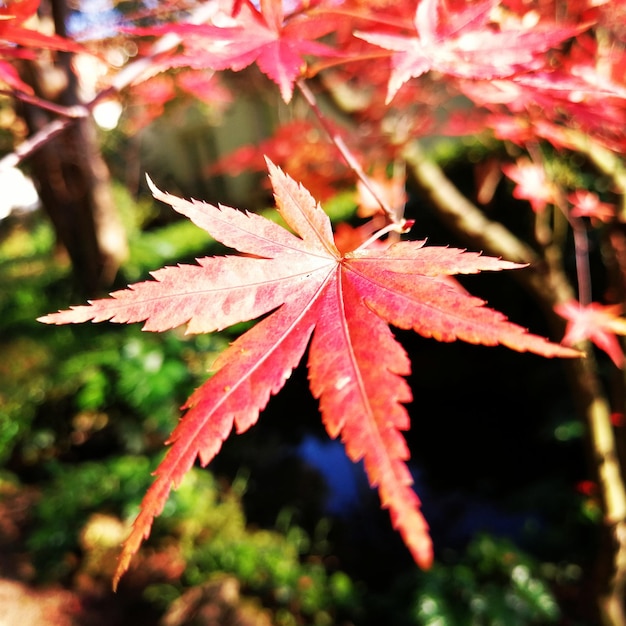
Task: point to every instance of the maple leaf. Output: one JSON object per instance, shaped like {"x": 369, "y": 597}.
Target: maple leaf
{"x": 339, "y": 303}
{"x": 13, "y": 14}
{"x": 19, "y": 42}
{"x": 314, "y": 163}
{"x": 532, "y": 183}
{"x": 463, "y": 45}
{"x": 595, "y": 322}
{"x": 148, "y": 97}
{"x": 206, "y": 87}
{"x": 153, "y": 94}
{"x": 587, "y": 204}
{"x": 275, "y": 42}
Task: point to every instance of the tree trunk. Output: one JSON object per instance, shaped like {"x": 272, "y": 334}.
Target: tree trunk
{"x": 72, "y": 177}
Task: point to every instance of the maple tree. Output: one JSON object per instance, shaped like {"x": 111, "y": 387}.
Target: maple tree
{"x": 545, "y": 79}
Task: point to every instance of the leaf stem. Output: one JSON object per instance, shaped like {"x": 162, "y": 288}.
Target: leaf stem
{"x": 583, "y": 271}
{"x": 401, "y": 227}
{"x": 581, "y": 250}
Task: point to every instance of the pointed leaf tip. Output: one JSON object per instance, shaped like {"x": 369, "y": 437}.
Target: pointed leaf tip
{"x": 154, "y": 190}
{"x": 151, "y": 185}
{"x": 160, "y": 195}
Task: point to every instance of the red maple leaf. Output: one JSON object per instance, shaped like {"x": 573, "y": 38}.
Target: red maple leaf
{"x": 14, "y": 14}
{"x": 275, "y": 42}
{"x": 18, "y": 42}
{"x": 341, "y": 304}
{"x": 465, "y": 45}
{"x": 205, "y": 87}
{"x": 299, "y": 147}
{"x": 587, "y": 204}
{"x": 149, "y": 97}
{"x": 598, "y": 323}
{"x": 532, "y": 183}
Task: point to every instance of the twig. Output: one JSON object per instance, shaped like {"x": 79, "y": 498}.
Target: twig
{"x": 34, "y": 142}
{"x": 76, "y": 111}
{"x": 350, "y": 159}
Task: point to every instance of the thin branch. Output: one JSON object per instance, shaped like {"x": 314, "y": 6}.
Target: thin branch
{"x": 583, "y": 271}
{"x": 34, "y": 142}
{"x": 581, "y": 247}
{"x": 76, "y": 111}
{"x": 350, "y": 159}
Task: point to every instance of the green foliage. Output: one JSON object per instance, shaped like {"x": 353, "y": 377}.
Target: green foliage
{"x": 95, "y": 376}
{"x": 494, "y": 584}
{"x": 72, "y": 494}
{"x": 62, "y": 392}
{"x": 24, "y": 274}
{"x": 281, "y": 568}
{"x": 208, "y": 523}
{"x": 140, "y": 372}
{"x": 174, "y": 241}
{"x": 23, "y": 383}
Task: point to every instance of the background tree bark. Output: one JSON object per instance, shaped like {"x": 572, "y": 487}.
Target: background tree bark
{"x": 71, "y": 175}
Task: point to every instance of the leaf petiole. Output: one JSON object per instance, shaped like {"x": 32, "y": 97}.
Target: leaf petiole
{"x": 401, "y": 227}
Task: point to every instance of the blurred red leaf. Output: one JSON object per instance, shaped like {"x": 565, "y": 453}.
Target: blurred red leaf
{"x": 587, "y": 204}
{"x": 532, "y": 183}
{"x": 265, "y": 36}
{"x": 466, "y": 44}
{"x": 597, "y": 323}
